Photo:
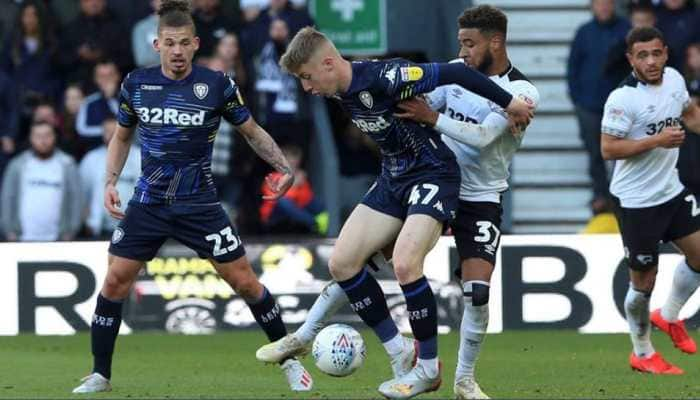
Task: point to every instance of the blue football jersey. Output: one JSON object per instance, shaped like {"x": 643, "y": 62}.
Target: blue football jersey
{"x": 407, "y": 147}
{"x": 177, "y": 123}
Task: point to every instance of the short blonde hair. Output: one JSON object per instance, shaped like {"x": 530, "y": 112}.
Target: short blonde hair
{"x": 302, "y": 48}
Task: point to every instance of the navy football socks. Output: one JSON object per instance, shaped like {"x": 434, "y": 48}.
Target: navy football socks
{"x": 104, "y": 330}
{"x": 267, "y": 313}
{"x": 422, "y": 313}
{"x": 367, "y": 300}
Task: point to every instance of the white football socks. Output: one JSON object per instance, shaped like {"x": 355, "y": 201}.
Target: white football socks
{"x": 394, "y": 346}
{"x": 637, "y": 310}
{"x": 475, "y": 320}
{"x": 685, "y": 282}
{"x": 326, "y": 305}
{"x": 331, "y": 299}
{"x": 430, "y": 366}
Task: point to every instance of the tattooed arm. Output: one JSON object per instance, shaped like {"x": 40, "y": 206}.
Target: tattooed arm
{"x": 265, "y": 147}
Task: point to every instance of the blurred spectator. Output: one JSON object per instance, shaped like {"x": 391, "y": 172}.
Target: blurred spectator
{"x": 98, "y": 106}
{"x": 589, "y": 87}
{"x": 278, "y": 91}
{"x": 92, "y": 177}
{"x": 692, "y": 68}
{"x": 256, "y": 35}
{"x": 28, "y": 57}
{"x": 8, "y": 14}
{"x": 94, "y": 35}
{"x": 142, "y": 37}
{"x": 689, "y": 155}
{"x": 129, "y": 12}
{"x": 8, "y": 120}
{"x": 64, "y": 11}
{"x": 45, "y": 112}
{"x": 228, "y": 50}
{"x": 212, "y": 24}
{"x": 41, "y": 191}
{"x": 617, "y": 66}
{"x": 72, "y": 99}
{"x": 678, "y": 21}
{"x": 299, "y": 211}
{"x": 250, "y": 9}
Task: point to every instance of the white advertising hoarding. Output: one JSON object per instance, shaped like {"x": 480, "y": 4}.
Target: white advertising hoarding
{"x": 541, "y": 282}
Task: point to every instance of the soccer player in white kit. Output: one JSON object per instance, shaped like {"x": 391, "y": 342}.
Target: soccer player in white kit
{"x": 478, "y": 132}
{"x": 641, "y": 130}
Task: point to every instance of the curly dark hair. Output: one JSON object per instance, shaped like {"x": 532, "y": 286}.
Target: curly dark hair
{"x": 485, "y": 18}
{"x": 645, "y": 34}
{"x": 175, "y": 14}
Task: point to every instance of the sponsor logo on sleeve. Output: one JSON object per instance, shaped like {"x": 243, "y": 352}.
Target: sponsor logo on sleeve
{"x": 411, "y": 74}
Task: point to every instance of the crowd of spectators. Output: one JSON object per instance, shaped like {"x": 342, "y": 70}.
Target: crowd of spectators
{"x": 61, "y": 65}
{"x": 598, "y": 63}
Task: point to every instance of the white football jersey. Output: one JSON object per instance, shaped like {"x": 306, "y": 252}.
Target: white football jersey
{"x": 484, "y": 171}
{"x": 636, "y": 111}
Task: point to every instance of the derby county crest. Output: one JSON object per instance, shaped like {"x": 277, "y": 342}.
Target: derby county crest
{"x": 201, "y": 90}
{"x": 366, "y": 99}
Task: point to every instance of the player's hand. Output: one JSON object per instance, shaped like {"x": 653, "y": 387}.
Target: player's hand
{"x": 112, "y": 202}
{"x": 520, "y": 112}
{"x": 278, "y": 184}
{"x": 417, "y": 110}
{"x": 671, "y": 137}
{"x": 515, "y": 129}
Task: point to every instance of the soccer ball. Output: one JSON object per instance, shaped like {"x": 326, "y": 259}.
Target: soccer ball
{"x": 339, "y": 350}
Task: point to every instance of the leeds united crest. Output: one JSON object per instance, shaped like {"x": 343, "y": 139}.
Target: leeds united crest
{"x": 201, "y": 90}
{"x": 366, "y": 99}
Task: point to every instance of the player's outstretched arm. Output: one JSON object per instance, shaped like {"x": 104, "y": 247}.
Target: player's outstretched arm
{"x": 477, "y": 135}
{"x": 616, "y": 148}
{"x": 117, "y": 152}
{"x": 263, "y": 144}
{"x": 457, "y": 73}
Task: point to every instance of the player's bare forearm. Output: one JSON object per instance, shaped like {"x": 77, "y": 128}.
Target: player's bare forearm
{"x": 691, "y": 118}
{"x": 613, "y": 148}
{"x": 264, "y": 146}
{"x": 117, "y": 152}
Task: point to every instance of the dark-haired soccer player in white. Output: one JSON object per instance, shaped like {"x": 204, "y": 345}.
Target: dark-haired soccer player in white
{"x": 642, "y": 130}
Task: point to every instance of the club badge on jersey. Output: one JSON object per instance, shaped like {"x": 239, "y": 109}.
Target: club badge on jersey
{"x": 200, "y": 90}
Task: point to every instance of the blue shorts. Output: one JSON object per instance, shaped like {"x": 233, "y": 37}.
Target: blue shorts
{"x": 436, "y": 196}
{"x": 206, "y": 229}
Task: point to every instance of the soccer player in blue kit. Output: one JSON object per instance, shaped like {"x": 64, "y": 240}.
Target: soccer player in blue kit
{"x": 176, "y": 109}
{"x": 413, "y": 197}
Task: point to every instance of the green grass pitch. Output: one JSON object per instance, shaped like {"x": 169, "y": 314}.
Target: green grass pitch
{"x": 534, "y": 364}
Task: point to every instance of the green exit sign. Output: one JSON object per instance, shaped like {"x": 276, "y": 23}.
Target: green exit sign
{"x": 355, "y": 26}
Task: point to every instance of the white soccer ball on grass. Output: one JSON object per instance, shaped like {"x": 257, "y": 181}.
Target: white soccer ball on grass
{"x": 339, "y": 350}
